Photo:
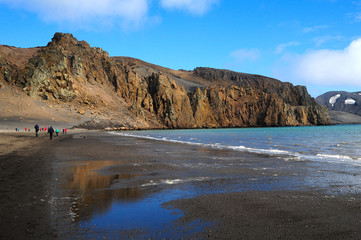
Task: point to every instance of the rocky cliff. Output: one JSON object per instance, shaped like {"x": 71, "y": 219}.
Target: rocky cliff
{"x": 129, "y": 93}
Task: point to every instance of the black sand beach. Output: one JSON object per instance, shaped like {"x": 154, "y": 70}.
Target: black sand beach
{"x": 50, "y": 188}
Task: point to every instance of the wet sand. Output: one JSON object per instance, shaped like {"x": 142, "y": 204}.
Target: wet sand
{"x": 50, "y": 188}
{"x": 25, "y": 171}
{"x": 274, "y": 215}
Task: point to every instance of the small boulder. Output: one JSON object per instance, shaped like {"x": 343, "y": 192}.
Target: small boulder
{"x": 81, "y": 111}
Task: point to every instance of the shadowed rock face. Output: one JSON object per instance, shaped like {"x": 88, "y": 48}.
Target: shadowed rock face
{"x": 345, "y": 107}
{"x": 150, "y": 96}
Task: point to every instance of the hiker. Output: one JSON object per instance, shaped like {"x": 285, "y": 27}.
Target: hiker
{"x": 65, "y": 130}
{"x": 51, "y": 131}
{"x": 57, "y": 132}
{"x": 37, "y": 130}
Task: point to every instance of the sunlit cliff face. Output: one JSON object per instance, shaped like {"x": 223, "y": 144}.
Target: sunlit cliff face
{"x": 130, "y": 93}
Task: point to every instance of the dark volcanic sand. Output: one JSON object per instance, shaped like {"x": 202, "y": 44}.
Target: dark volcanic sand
{"x": 275, "y": 215}
{"x": 25, "y": 173}
{"x": 46, "y": 191}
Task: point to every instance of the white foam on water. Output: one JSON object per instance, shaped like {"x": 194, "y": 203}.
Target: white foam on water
{"x": 288, "y": 155}
{"x": 260, "y": 151}
{"x": 173, "y": 181}
{"x": 341, "y": 157}
{"x": 212, "y": 145}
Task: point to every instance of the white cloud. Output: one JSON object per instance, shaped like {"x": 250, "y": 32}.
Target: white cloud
{"x": 358, "y": 17}
{"x": 321, "y": 40}
{"x": 355, "y": 17}
{"x": 197, "y": 7}
{"x": 84, "y": 11}
{"x": 241, "y": 55}
{"x": 314, "y": 28}
{"x": 329, "y": 67}
{"x": 357, "y": 3}
{"x": 281, "y": 47}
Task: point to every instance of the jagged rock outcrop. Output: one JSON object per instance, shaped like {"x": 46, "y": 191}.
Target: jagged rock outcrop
{"x": 137, "y": 94}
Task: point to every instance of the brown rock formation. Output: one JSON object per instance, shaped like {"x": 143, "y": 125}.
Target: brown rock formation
{"x": 126, "y": 92}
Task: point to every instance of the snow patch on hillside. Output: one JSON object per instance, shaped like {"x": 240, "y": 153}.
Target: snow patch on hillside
{"x": 350, "y": 101}
{"x": 334, "y": 99}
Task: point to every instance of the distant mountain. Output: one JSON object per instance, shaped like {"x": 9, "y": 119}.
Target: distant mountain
{"x": 132, "y": 94}
{"x": 344, "y": 107}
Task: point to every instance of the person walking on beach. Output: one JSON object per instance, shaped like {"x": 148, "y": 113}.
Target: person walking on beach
{"x": 37, "y": 130}
{"x": 51, "y": 132}
{"x": 57, "y": 132}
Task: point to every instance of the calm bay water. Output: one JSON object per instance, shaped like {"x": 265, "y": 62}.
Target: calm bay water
{"x": 340, "y": 143}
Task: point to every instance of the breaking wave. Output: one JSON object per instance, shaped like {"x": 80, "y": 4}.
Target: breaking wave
{"x": 286, "y": 154}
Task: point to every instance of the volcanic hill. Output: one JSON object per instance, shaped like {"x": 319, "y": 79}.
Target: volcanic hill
{"x": 68, "y": 80}
{"x": 344, "y": 107}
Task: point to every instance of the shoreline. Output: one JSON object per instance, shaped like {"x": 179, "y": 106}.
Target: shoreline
{"x": 235, "y": 201}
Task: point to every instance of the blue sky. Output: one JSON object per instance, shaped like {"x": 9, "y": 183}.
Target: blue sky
{"x": 316, "y": 43}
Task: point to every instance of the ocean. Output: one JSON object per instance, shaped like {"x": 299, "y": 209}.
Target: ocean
{"x": 337, "y": 143}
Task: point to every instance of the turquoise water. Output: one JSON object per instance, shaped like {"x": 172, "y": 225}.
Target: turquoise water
{"x": 340, "y": 143}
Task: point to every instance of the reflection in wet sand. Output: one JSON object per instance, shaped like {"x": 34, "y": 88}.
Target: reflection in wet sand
{"x": 94, "y": 189}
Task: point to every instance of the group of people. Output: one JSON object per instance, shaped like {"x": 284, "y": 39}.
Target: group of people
{"x": 50, "y": 130}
